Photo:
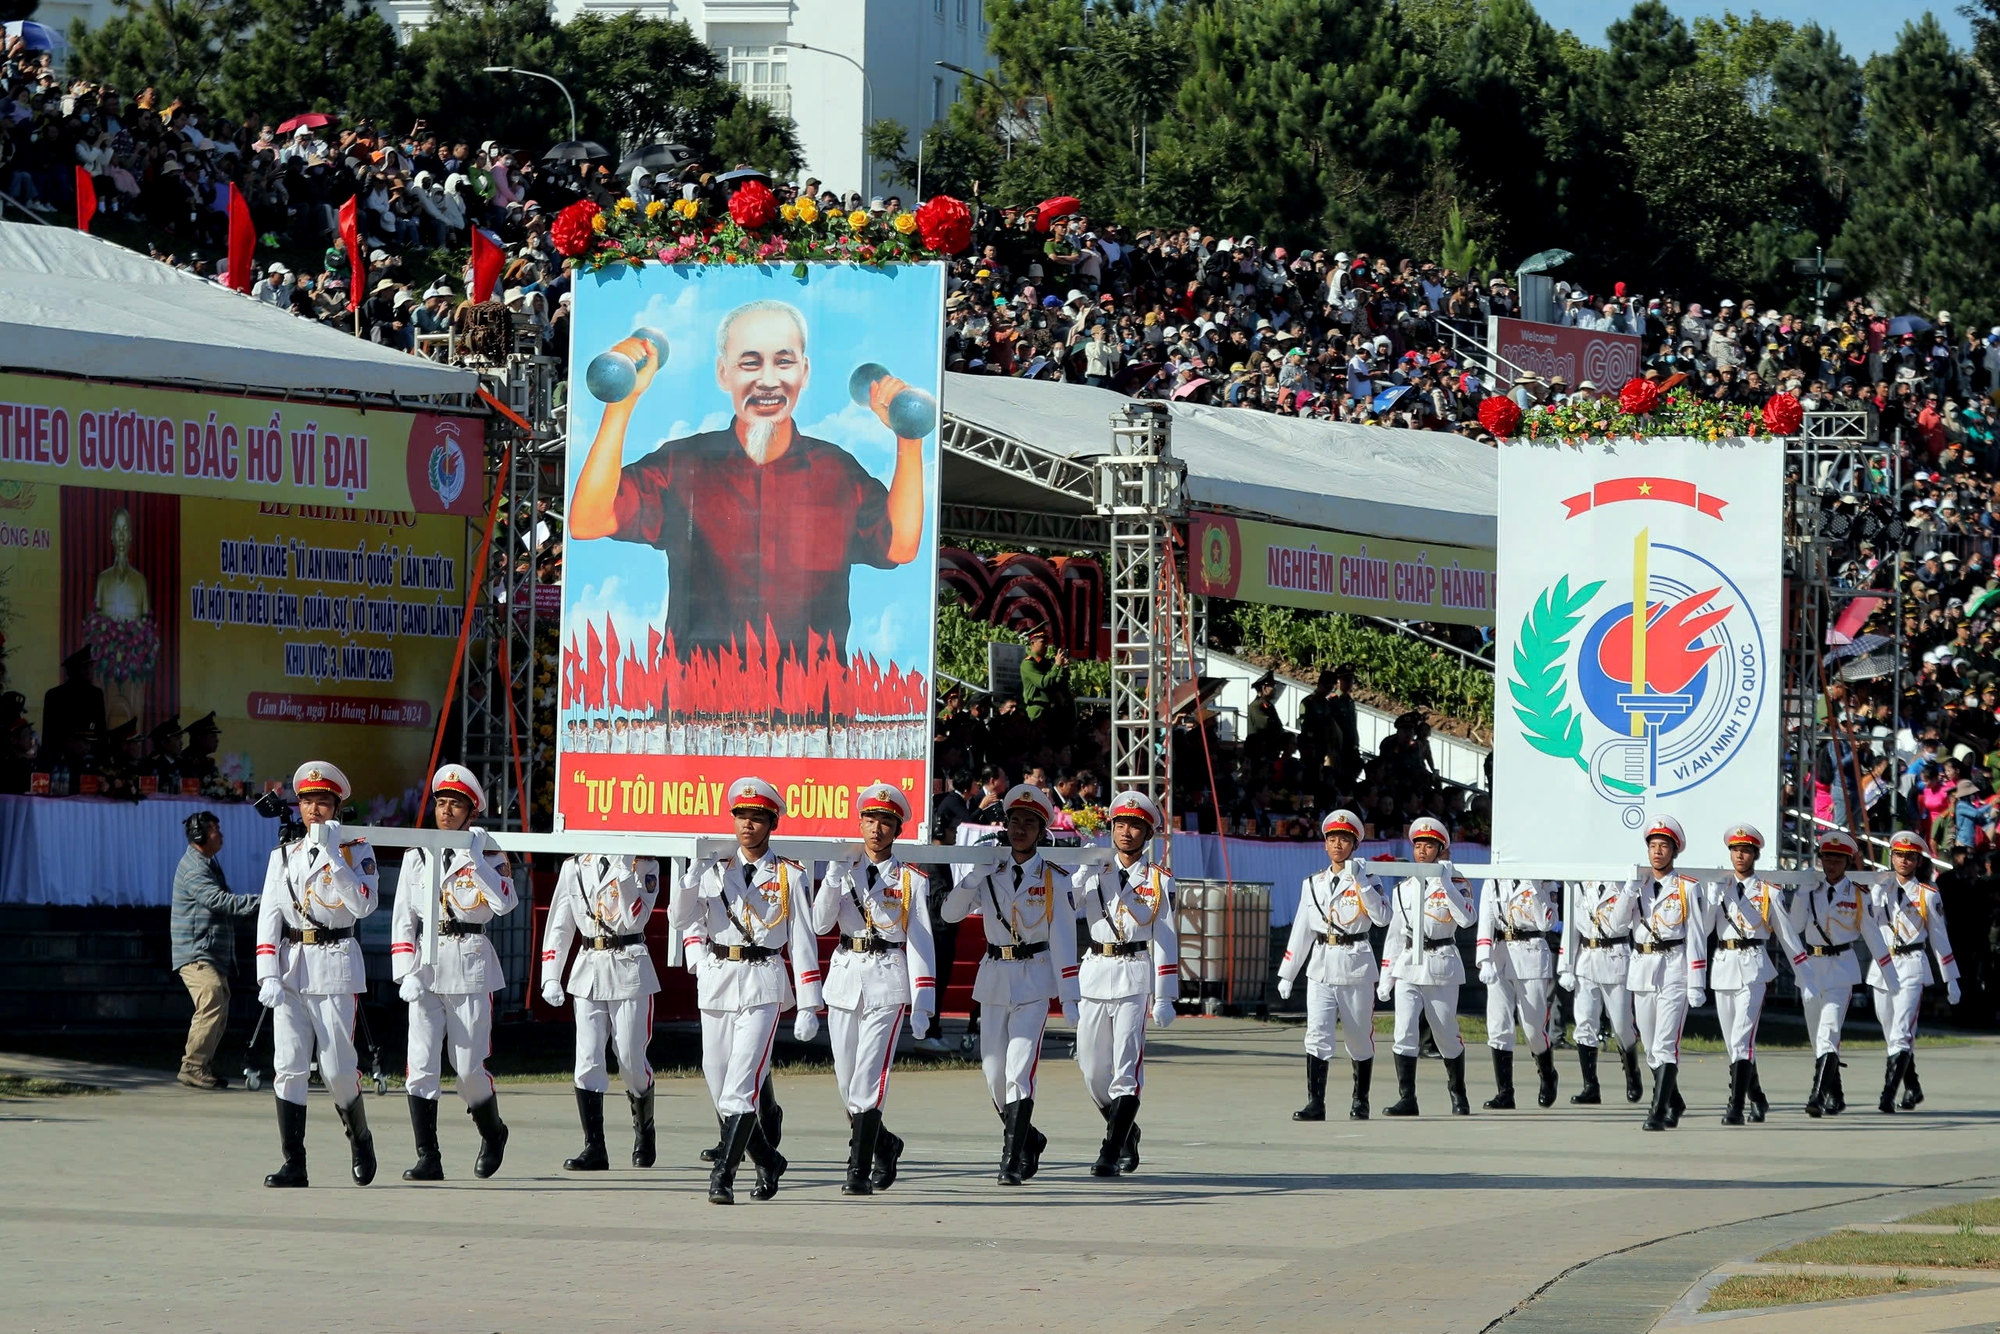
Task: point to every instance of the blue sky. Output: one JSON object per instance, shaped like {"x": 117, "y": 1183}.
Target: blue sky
{"x": 1863, "y": 26}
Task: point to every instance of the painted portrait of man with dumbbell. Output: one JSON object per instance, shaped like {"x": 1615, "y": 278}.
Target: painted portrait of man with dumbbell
{"x": 757, "y": 520}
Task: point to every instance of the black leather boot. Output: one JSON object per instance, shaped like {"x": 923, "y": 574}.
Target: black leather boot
{"x": 769, "y": 1162}
{"x": 888, "y": 1153}
{"x": 1836, "y": 1097}
{"x": 1364, "y": 1074}
{"x": 1739, "y": 1086}
{"x": 492, "y": 1136}
{"x": 1545, "y": 1067}
{"x": 1454, "y": 1083}
{"x": 1913, "y": 1092}
{"x": 1033, "y": 1141}
{"x": 1759, "y": 1106}
{"x": 735, "y": 1140}
{"x": 1503, "y": 1082}
{"x": 1315, "y": 1108}
{"x": 1406, "y": 1087}
{"x": 1656, "y": 1115}
{"x": 1676, "y": 1105}
{"x": 1122, "y": 1114}
{"x": 770, "y": 1116}
{"x": 1012, "y": 1124}
{"x": 1128, "y": 1153}
{"x": 1586, "y": 1061}
{"x": 424, "y": 1125}
{"x": 1818, "y": 1094}
{"x": 861, "y": 1154}
{"x": 292, "y": 1143}
{"x": 354, "y": 1120}
{"x": 713, "y": 1153}
{"x": 1892, "y": 1075}
{"x": 642, "y": 1127}
{"x": 593, "y": 1158}
{"x": 1635, "y": 1088}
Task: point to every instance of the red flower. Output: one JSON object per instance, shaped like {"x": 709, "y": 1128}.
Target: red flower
{"x": 1639, "y": 397}
{"x": 945, "y": 224}
{"x": 571, "y": 232}
{"x": 753, "y": 205}
{"x": 1500, "y": 416}
{"x": 1783, "y": 414}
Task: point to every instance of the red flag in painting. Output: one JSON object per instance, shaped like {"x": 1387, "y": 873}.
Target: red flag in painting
{"x": 350, "y": 236}
{"x": 488, "y": 258}
{"x": 593, "y": 668}
{"x": 86, "y": 200}
{"x": 242, "y": 244}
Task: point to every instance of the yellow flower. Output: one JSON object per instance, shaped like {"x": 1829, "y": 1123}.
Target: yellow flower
{"x": 597, "y": 222}
{"x": 857, "y": 219}
{"x": 789, "y": 212}
{"x": 628, "y": 205}
{"x": 687, "y": 208}
{"x": 656, "y": 208}
{"x": 808, "y": 211}
{"x": 906, "y": 223}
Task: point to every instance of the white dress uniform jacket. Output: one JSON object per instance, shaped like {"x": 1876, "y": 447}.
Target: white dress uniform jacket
{"x": 773, "y": 909}
{"x": 1669, "y": 910}
{"x": 1131, "y": 905}
{"x": 1597, "y": 931}
{"x": 1750, "y": 911}
{"x": 606, "y": 898}
{"x": 1910, "y": 918}
{"x": 1437, "y": 907}
{"x": 321, "y": 881}
{"x": 1039, "y": 908}
{"x": 476, "y": 890}
{"x": 1329, "y": 940}
{"x": 895, "y": 908}
{"x": 1825, "y": 921}
{"x": 1517, "y": 907}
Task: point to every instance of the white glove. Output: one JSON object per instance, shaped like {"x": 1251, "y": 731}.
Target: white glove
{"x": 1697, "y": 998}
{"x": 1806, "y": 994}
{"x": 1487, "y": 974}
{"x": 552, "y": 991}
{"x": 920, "y": 1022}
{"x": 479, "y": 841}
{"x": 269, "y": 992}
{"x": 1567, "y": 981}
{"x": 710, "y": 887}
{"x": 321, "y": 835}
{"x": 412, "y": 988}
{"x": 1951, "y": 992}
{"x": 806, "y": 1027}
{"x": 1284, "y": 988}
{"x": 1163, "y": 1012}
{"x": 1069, "y": 1010}
{"x": 1385, "y": 988}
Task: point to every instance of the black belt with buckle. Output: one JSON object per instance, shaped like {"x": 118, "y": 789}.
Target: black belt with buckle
{"x": 1739, "y": 944}
{"x": 1916, "y": 947}
{"x": 1119, "y": 949}
{"x": 1661, "y": 946}
{"x": 1511, "y": 934}
{"x": 611, "y": 942}
{"x": 1025, "y": 950}
{"x": 1606, "y": 942}
{"x": 452, "y": 927}
{"x": 1342, "y": 938}
{"x": 1448, "y": 942}
{"x": 866, "y": 944}
{"x": 318, "y": 935}
{"x": 742, "y": 953}
{"x": 1825, "y": 951}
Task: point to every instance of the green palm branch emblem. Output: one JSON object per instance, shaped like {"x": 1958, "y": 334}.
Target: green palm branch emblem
{"x": 1539, "y": 686}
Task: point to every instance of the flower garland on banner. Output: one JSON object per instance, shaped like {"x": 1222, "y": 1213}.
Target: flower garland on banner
{"x": 1641, "y": 411}
{"x": 756, "y": 229}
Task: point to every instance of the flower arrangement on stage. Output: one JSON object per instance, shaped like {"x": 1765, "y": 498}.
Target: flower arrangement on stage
{"x": 121, "y": 650}
{"x": 756, "y": 229}
{"x": 1643, "y": 409}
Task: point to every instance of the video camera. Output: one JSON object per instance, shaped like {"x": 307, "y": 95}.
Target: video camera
{"x": 274, "y": 807}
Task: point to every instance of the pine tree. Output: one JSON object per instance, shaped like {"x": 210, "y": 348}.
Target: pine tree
{"x": 752, "y": 134}
{"x": 311, "y": 55}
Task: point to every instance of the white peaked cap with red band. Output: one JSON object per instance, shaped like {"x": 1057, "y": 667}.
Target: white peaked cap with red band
{"x": 1134, "y": 805}
{"x": 754, "y": 794}
{"x": 1908, "y": 840}
{"x": 317, "y": 778}
{"x": 1740, "y": 835}
{"x": 457, "y": 780}
{"x": 1839, "y": 840}
{"x": 1341, "y": 822}
{"x": 1666, "y": 826}
{"x": 1028, "y": 797}
{"x": 884, "y": 799}
{"x": 1425, "y": 826}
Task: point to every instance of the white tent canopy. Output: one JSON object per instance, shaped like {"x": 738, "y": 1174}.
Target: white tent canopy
{"x": 1415, "y": 485}
{"x": 75, "y": 305}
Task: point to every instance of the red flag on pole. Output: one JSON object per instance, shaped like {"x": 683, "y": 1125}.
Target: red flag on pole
{"x": 350, "y": 236}
{"x": 593, "y": 668}
{"x": 242, "y": 244}
{"x": 488, "y": 258}
{"x": 86, "y": 200}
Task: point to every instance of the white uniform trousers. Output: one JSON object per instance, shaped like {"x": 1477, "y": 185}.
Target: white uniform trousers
{"x": 1010, "y": 1048}
{"x": 464, "y": 1021}
{"x": 300, "y": 1021}
{"x": 1440, "y": 1003}
{"x": 864, "y": 1047}
{"x": 1661, "y": 1015}
{"x": 1826, "y": 1015}
{"x": 736, "y": 1055}
{"x": 629, "y": 1023}
{"x": 1111, "y": 1047}
{"x": 1349, "y": 1004}
{"x": 1531, "y": 1001}
{"x": 1606, "y": 1001}
{"x": 1896, "y": 1011}
{"x": 1739, "y": 1012}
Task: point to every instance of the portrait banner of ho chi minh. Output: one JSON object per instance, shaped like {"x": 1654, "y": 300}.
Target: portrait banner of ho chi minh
{"x": 750, "y": 560}
{"x": 1640, "y": 638}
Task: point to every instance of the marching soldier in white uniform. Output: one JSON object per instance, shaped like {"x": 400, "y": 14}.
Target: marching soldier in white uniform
{"x": 1132, "y": 957}
{"x": 604, "y": 901}
{"x": 1028, "y": 914}
{"x": 310, "y": 970}
{"x": 1669, "y": 964}
{"x": 1909, "y": 916}
{"x": 1595, "y": 960}
{"x": 1826, "y": 919}
{"x": 882, "y": 967}
{"x": 1421, "y": 967}
{"x": 1329, "y": 943}
{"x": 1747, "y": 913}
{"x": 752, "y": 910}
{"x": 453, "y": 998}
{"x": 1515, "y": 918}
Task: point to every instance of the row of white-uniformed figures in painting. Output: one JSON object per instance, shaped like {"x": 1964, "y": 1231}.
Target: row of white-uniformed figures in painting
{"x": 900, "y": 739}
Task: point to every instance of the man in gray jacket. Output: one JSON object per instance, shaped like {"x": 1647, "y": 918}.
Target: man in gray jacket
{"x": 204, "y": 944}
